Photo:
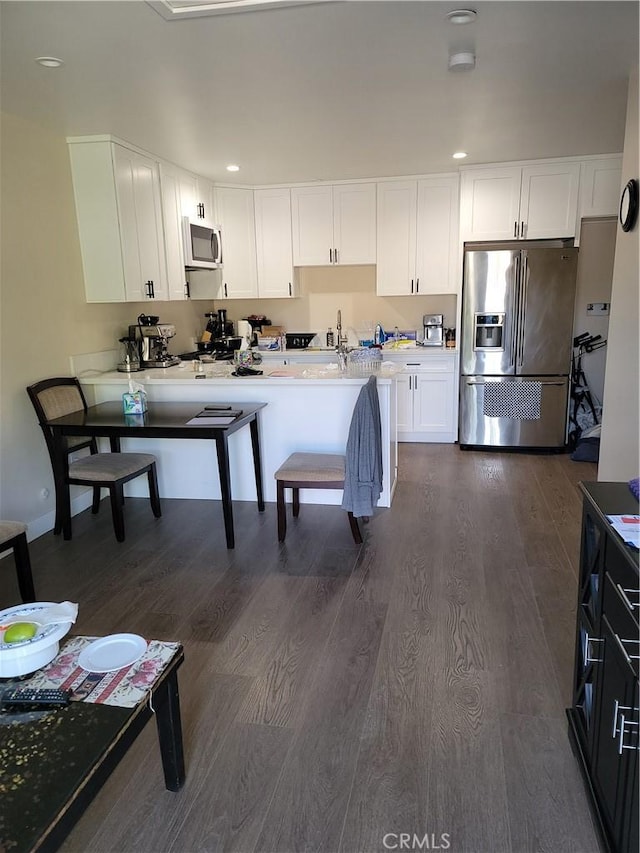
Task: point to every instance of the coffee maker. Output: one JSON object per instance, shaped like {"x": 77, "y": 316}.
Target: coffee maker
{"x": 433, "y": 330}
{"x": 153, "y": 338}
{"x": 219, "y": 338}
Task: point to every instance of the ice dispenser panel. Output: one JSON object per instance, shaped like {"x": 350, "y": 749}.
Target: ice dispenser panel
{"x": 489, "y": 332}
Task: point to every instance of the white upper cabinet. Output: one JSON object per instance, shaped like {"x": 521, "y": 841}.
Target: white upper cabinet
{"x": 519, "y": 202}
{"x": 235, "y": 215}
{"x": 274, "y": 248}
{"x": 172, "y": 221}
{"x": 334, "y": 224}
{"x": 119, "y": 212}
{"x": 197, "y": 198}
{"x": 417, "y": 236}
{"x": 600, "y": 181}
{"x": 437, "y": 235}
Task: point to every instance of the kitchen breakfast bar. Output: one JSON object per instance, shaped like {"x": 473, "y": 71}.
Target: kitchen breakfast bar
{"x": 308, "y": 408}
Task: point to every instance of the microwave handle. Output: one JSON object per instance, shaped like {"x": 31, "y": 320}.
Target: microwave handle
{"x": 216, "y": 248}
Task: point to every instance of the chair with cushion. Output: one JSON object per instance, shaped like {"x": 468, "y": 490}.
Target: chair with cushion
{"x": 53, "y": 398}
{"x": 13, "y": 535}
{"x": 358, "y": 472}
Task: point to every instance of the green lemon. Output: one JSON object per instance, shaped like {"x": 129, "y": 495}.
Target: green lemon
{"x": 20, "y": 631}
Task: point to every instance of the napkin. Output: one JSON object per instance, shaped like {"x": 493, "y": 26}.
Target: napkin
{"x": 66, "y": 611}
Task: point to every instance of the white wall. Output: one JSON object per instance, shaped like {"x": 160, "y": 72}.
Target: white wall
{"x": 619, "y": 454}
{"x": 595, "y": 275}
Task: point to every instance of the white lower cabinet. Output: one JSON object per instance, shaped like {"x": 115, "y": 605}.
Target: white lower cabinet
{"x": 426, "y": 400}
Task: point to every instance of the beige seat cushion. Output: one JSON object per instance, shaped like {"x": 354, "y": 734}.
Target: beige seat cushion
{"x": 109, "y": 466}
{"x": 9, "y": 529}
{"x": 312, "y": 468}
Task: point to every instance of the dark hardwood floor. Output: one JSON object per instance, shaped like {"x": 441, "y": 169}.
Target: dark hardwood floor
{"x": 332, "y": 694}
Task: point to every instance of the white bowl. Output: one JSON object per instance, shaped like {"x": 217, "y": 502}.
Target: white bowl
{"x": 26, "y": 656}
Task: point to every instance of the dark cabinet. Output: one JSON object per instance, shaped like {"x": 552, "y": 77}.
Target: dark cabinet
{"x": 604, "y": 717}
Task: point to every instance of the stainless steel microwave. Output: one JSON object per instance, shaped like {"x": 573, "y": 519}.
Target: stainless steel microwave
{"x": 202, "y": 245}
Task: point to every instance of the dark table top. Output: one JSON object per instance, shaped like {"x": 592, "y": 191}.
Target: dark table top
{"x": 161, "y": 420}
{"x": 47, "y": 758}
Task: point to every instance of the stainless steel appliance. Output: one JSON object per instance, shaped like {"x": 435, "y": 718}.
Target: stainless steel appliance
{"x": 153, "y": 338}
{"x": 433, "y": 330}
{"x": 517, "y": 325}
{"x": 202, "y": 245}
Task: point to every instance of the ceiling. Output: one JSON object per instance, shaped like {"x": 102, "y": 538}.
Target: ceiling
{"x": 326, "y": 91}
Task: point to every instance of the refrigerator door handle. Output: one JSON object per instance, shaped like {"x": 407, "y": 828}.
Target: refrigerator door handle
{"x": 559, "y": 382}
{"x": 522, "y": 303}
{"x": 514, "y": 314}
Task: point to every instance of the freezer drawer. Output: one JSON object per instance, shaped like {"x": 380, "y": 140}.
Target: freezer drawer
{"x": 513, "y": 412}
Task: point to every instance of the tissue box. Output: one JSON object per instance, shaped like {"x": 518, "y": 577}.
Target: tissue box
{"x": 134, "y": 403}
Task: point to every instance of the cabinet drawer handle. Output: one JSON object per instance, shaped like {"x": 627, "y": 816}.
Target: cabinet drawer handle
{"x": 515, "y": 229}
{"x": 618, "y": 707}
{"x": 629, "y": 658}
{"x": 335, "y": 256}
{"x": 187, "y": 292}
{"x": 623, "y": 595}
{"x": 411, "y": 285}
{"x": 290, "y": 289}
{"x": 587, "y": 640}
{"x": 522, "y": 229}
{"x": 417, "y": 285}
{"x": 225, "y": 290}
{"x": 330, "y": 256}
{"x": 621, "y": 744}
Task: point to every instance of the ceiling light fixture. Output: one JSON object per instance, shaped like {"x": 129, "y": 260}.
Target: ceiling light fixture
{"x": 49, "y": 61}
{"x": 462, "y": 16}
{"x": 459, "y": 155}
{"x": 462, "y": 61}
{"x": 233, "y": 168}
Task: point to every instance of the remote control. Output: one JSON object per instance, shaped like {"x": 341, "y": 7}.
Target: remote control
{"x": 28, "y": 699}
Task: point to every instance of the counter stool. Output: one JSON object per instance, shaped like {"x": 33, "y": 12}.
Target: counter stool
{"x": 13, "y": 535}
{"x": 310, "y": 471}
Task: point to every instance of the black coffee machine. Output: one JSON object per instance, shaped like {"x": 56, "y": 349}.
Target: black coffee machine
{"x": 219, "y": 334}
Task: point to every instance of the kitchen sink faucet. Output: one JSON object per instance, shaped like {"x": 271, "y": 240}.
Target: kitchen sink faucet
{"x": 341, "y": 347}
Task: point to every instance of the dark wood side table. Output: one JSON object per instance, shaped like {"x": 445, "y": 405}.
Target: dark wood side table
{"x": 53, "y": 766}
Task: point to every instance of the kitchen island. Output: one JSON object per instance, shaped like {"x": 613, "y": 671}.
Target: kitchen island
{"x": 308, "y": 408}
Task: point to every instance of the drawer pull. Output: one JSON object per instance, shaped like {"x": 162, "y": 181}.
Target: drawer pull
{"x": 587, "y": 650}
{"x": 621, "y": 744}
{"x": 629, "y": 658}
{"x": 625, "y": 598}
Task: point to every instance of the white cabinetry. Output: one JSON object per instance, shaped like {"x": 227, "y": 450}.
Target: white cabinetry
{"x": 172, "y": 220}
{"x": 600, "y": 181}
{"x": 235, "y": 214}
{"x": 427, "y": 399}
{"x": 197, "y": 198}
{"x": 119, "y": 212}
{"x": 417, "y": 236}
{"x": 274, "y": 250}
{"x": 334, "y": 224}
{"x": 519, "y": 202}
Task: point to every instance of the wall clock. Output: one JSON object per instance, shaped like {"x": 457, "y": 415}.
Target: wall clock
{"x": 629, "y": 205}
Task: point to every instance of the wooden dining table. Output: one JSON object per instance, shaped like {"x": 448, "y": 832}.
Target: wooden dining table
{"x": 161, "y": 420}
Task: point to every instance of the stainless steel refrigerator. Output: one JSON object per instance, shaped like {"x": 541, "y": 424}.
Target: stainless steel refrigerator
{"x": 517, "y": 327}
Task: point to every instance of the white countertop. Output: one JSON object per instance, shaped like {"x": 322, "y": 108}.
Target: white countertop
{"x": 219, "y": 372}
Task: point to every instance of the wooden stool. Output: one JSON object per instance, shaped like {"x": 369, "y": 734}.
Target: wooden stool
{"x": 310, "y": 471}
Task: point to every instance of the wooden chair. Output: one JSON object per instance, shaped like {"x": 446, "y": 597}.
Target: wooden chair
{"x": 13, "y": 535}
{"x": 53, "y": 398}
{"x": 304, "y": 470}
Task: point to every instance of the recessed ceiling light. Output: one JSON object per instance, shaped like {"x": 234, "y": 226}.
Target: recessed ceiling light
{"x": 462, "y": 62}
{"x": 49, "y": 61}
{"x": 233, "y": 168}
{"x": 462, "y": 16}
{"x": 459, "y": 155}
